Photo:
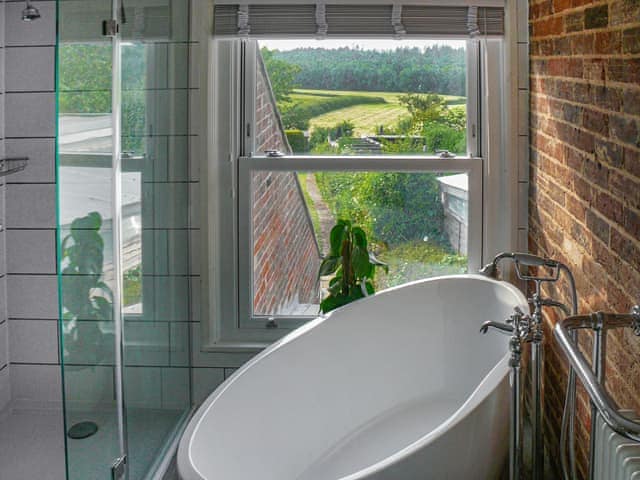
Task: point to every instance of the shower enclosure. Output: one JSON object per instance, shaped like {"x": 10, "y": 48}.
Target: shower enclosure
{"x": 123, "y": 223}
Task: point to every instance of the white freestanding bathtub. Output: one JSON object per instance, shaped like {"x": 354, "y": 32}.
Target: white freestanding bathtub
{"x": 398, "y": 386}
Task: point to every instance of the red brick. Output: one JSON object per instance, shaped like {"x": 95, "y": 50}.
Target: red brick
{"x": 585, "y": 177}
{"x": 574, "y": 22}
{"x": 582, "y": 44}
{"x": 607, "y": 43}
{"x": 548, "y": 26}
{"x": 631, "y": 40}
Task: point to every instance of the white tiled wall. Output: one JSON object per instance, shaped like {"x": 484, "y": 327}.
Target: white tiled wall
{"x": 522, "y": 12}
{"x": 30, "y": 215}
{"x": 5, "y": 390}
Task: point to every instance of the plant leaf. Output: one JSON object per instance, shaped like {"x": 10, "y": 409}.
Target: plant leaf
{"x": 329, "y": 265}
{"x": 360, "y": 262}
{"x": 359, "y": 237}
{"x": 338, "y": 232}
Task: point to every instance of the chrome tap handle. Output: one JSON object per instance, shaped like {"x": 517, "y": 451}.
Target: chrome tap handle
{"x": 501, "y": 327}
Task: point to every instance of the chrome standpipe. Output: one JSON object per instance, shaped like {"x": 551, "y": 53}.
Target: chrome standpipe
{"x": 518, "y": 326}
{"x": 537, "y": 335}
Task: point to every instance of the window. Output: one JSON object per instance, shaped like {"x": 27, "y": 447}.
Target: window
{"x": 394, "y": 135}
{"x": 385, "y": 134}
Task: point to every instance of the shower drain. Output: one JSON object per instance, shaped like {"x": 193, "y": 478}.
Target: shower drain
{"x": 82, "y": 430}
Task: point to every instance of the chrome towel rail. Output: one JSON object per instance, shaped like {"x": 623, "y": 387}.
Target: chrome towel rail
{"x": 593, "y": 380}
{"x": 12, "y": 165}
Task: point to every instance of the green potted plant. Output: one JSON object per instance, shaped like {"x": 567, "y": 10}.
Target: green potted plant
{"x": 352, "y": 265}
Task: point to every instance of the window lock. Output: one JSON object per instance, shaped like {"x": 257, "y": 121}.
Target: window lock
{"x": 445, "y": 154}
{"x": 271, "y": 323}
{"x": 274, "y": 153}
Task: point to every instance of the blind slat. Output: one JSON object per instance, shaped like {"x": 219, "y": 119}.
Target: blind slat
{"x": 363, "y": 20}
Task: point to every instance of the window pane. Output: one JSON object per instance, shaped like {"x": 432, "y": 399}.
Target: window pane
{"x": 364, "y": 97}
{"x": 416, "y": 223}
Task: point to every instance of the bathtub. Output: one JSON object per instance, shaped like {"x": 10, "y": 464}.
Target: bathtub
{"x": 400, "y": 385}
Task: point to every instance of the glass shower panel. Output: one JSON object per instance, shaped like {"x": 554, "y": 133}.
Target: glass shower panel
{"x": 85, "y": 225}
{"x": 147, "y": 268}
{"x": 155, "y": 227}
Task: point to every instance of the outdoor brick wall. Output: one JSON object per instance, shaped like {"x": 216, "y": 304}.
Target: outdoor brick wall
{"x": 585, "y": 179}
{"x": 286, "y": 255}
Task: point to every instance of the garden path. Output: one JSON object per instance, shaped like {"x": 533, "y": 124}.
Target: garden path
{"x": 324, "y": 214}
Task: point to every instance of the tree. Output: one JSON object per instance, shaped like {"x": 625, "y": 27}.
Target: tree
{"x": 282, "y": 75}
{"x": 423, "y": 108}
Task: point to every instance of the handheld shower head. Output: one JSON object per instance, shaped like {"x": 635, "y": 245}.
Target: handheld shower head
{"x": 30, "y": 13}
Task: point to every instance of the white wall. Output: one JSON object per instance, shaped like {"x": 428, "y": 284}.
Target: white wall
{"x": 5, "y": 389}
{"x": 29, "y": 112}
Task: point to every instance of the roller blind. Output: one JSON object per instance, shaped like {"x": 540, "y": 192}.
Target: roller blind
{"x": 326, "y": 20}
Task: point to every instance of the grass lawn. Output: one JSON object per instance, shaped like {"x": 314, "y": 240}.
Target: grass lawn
{"x": 300, "y": 94}
{"x": 417, "y": 260}
{"x": 366, "y": 116}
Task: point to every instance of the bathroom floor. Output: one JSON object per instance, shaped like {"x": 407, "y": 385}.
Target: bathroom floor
{"x": 38, "y": 437}
{"x": 32, "y": 445}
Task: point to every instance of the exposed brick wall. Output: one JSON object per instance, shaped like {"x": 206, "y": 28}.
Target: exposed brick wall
{"x": 286, "y": 256}
{"x": 585, "y": 179}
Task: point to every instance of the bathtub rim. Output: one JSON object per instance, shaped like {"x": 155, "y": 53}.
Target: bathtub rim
{"x": 184, "y": 460}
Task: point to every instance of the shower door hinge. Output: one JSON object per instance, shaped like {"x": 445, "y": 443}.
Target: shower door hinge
{"x": 110, "y": 28}
{"x": 119, "y": 468}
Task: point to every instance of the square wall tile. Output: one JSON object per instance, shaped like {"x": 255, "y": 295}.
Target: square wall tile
{"x": 165, "y": 298}
{"x": 33, "y": 385}
{"x": 32, "y": 296}
{"x": 87, "y": 388}
{"x": 42, "y": 159}
{"x": 205, "y": 381}
{"x": 33, "y": 341}
{"x": 29, "y": 115}
{"x": 30, "y": 69}
{"x": 30, "y": 206}
{"x": 143, "y": 387}
{"x": 31, "y": 251}
{"x": 19, "y": 33}
{"x": 176, "y": 393}
{"x": 146, "y": 343}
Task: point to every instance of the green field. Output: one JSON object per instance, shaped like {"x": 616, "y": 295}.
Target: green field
{"x": 366, "y": 116}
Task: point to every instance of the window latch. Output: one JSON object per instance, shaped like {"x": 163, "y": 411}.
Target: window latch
{"x": 445, "y": 154}
{"x": 271, "y": 323}
{"x": 274, "y": 153}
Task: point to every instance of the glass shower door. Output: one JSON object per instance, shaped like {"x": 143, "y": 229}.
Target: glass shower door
{"x": 123, "y": 189}
{"x": 88, "y": 286}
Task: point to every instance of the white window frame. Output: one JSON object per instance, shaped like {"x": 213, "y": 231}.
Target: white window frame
{"x": 226, "y": 306}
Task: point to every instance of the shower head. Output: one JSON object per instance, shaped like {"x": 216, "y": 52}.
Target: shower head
{"x": 30, "y": 13}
